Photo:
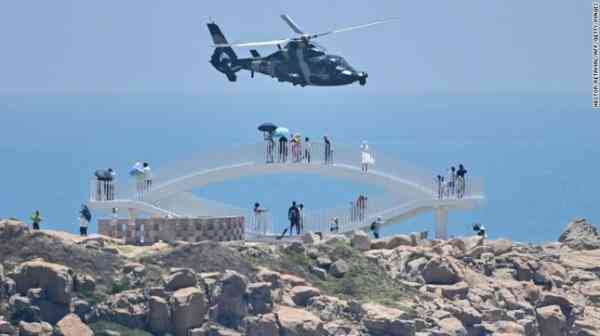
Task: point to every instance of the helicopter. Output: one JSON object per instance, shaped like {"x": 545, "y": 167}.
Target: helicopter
{"x": 299, "y": 60}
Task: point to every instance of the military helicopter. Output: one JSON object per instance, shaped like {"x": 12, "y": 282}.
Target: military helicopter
{"x": 299, "y": 60}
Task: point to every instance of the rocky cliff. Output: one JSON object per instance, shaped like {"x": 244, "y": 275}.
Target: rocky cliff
{"x": 52, "y": 283}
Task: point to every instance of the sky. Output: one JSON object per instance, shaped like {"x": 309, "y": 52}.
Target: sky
{"x": 449, "y": 47}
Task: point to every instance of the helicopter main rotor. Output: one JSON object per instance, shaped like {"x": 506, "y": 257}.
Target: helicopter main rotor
{"x": 304, "y": 37}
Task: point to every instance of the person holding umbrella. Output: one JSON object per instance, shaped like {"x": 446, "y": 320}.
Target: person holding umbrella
{"x": 85, "y": 216}
{"x": 268, "y": 129}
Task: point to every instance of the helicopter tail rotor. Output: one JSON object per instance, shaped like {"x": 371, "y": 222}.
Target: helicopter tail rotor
{"x": 224, "y": 59}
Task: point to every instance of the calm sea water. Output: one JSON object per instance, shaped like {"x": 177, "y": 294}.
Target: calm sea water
{"x": 539, "y": 155}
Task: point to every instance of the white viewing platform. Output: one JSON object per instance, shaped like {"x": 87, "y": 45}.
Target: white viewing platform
{"x": 409, "y": 191}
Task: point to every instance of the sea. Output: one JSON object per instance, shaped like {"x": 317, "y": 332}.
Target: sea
{"x": 538, "y": 154}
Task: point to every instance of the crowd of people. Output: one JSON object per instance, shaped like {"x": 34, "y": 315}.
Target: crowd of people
{"x": 105, "y": 181}
{"x": 299, "y": 147}
{"x": 453, "y": 184}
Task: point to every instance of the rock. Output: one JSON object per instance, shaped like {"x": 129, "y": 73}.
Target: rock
{"x": 379, "y": 244}
{"x": 10, "y": 229}
{"x": 577, "y": 275}
{"x": 55, "y": 279}
{"x": 230, "y": 299}
{"x": 310, "y": 238}
{"x": 324, "y": 262}
{"x": 457, "y": 291}
{"x": 339, "y": 268}
{"x": 301, "y": 294}
{"x": 7, "y": 329}
{"x": 127, "y": 308}
{"x": 71, "y": 325}
{"x": 35, "y": 329}
{"x": 586, "y": 259}
{"x": 588, "y": 323}
{"x": 452, "y": 326}
{"x": 524, "y": 268}
{"x": 384, "y": 321}
{"x": 441, "y": 271}
{"x": 135, "y": 268}
{"x": 296, "y": 247}
{"x": 360, "y": 240}
{"x": 334, "y": 239}
{"x": 591, "y": 290}
{"x": 265, "y": 325}
{"x": 551, "y": 321}
{"x": 21, "y": 309}
{"x": 341, "y": 328}
{"x": 273, "y": 278}
{"x": 328, "y": 308}
{"x": 580, "y": 235}
{"x": 298, "y": 322}
{"x": 180, "y": 278}
{"x": 260, "y": 298}
{"x": 505, "y": 328}
{"x": 500, "y": 246}
{"x": 399, "y": 240}
{"x": 188, "y": 306}
{"x": 81, "y": 308}
{"x": 293, "y": 281}
{"x": 159, "y": 318}
{"x": 318, "y": 272}
{"x": 84, "y": 283}
{"x": 212, "y": 329}
{"x": 552, "y": 298}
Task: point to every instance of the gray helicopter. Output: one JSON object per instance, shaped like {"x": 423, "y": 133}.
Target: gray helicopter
{"x": 299, "y": 60}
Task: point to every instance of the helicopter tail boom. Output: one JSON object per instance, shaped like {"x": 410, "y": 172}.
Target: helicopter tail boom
{"x": 224, "y": 59}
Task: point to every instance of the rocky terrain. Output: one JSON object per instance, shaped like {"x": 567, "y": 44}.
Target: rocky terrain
{"x": 56, "y": 284}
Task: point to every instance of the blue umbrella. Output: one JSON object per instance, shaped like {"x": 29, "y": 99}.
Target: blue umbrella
{"x": 136, "y": 169}
{"x": 281, "y": 131}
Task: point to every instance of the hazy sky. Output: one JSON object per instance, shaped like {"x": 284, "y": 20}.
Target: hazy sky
{"x": 140, "y": 46}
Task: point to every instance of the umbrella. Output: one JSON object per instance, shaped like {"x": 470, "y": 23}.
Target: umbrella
{"x": 267, "y": 127}
{"x": 103, "y": 175}
{"x": 281, "y": 131}
{"x": 136, "y": 169}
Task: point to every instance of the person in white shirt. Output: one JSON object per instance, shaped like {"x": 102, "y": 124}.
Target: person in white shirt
{"x": 366, "y": 157}
{"x": 451, "y": 180}
{"x": 147, "y": 174}
{"x": 307, "y": 149}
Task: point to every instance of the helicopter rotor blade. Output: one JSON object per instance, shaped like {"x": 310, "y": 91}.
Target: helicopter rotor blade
{"x": 353, "y": 27}
{"x": 252, "y": 44}
{"x": 292, "y": 24}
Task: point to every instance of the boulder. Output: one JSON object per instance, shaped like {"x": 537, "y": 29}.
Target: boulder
{"x": 441, "y": 271}
{"x": 290, "y": 280}
{"x": 180, "y": 278}
{"x": 213, "y": 329}
{"x": 324, "y": 262}
{"x": 55, "y": 279}
{"x": 271, "y": 277}
{"x": 591, "y": 290}
{"x": 328, "y": 308}
{"x": 551, "y": 321}
{"x": 35, "y": 329}
{"x": 298, "y": 322}
{"x": 360, "y": 240}
{"x": 296, "y": 247}
{"x": 81, "y": 308}
{"x": 580, "y": 235}
{"x": 10, "y": 229}
{"x": 84, "y": 283}
{"x": 399, "y": 240}
{"x": 318, "y": 272}
{"x": 339, "y": 268}
{"x": 334, "y": 239}
{"x": 458, "y": 291}
{"x": 379, "y": 244}
{"x": 588, "y": 323}
{"x": 384, "y": 321}
{"x": 452, "y": 326}
{"x": 504, "y": 328}
{"x": 135, "y": 268}
{"x": 301, "y": 294}
{"x": 159, "y": 318}
{"x": 500, "y": 246}
{"x": 127, "y": 308}
{"x": 189, "y": 307}
{"x": 260, "y": 298}
{"x": 265, "y": 325}
{"x": 71, "y": 325}
{"x": 310, "y": 238}
{"x": 230, "y": 298}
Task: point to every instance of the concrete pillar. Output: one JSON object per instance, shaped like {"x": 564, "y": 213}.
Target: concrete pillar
{"x": 441, "y": 221}
{"x": 131, "y": 234}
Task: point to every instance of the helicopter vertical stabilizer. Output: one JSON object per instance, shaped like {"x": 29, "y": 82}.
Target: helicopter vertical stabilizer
{"x": 224, "y": 59}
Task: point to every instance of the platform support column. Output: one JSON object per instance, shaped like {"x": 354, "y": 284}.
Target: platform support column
{"x": 131, "y": 233}
{"x": 441, "y": 221}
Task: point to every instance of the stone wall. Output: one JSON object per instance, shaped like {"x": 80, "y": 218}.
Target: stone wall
{"x": 151, "y": 230}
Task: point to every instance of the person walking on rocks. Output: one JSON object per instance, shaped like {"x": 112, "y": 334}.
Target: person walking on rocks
{"x": 294, "y": 217}
{"x": 36, "y": 220}
{"x": 85, "y": 216}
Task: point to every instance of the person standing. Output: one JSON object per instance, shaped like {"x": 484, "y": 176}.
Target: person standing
{"x": 307, "y": 149}
{"x": 451, "y": 177}
{"x": 460, "y": 176}
{"x": 259, "y": 219}
{"x": 294, "y": 217}
{"x": 366, "y": 157}
{"x": 36, "y": 220}
{"x": 85, "y": 216}
{"x": 147, "y": 174}
{"x": 375, "y": 226}
{"x": 283, "y": 141}
{"x": 111, "y": 184}
{"x": 335, "y": 225}
{"x": 327, "y": 142}
{"x": 270, "y": 149}
{"x": 301, "y": 218}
